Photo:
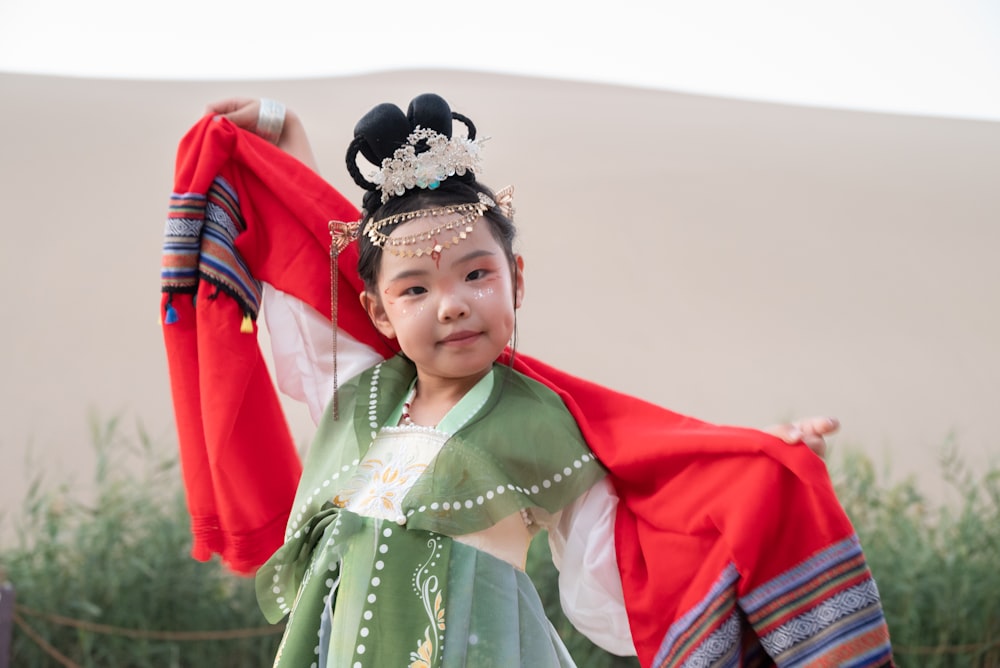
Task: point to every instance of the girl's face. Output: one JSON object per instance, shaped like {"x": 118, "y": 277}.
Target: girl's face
{"x": 452, "y": 314}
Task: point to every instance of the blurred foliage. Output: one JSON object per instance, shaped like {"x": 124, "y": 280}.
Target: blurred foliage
{"x": 122, "y": 558}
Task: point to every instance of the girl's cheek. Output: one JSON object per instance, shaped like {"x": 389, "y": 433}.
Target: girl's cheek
{"x": 486, "y": 289}
{"x": 482, "y": 293}
{"x": 411, "y": 310}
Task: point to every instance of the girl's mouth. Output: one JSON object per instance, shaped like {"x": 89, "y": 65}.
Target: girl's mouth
{"x": 459, "y": 338}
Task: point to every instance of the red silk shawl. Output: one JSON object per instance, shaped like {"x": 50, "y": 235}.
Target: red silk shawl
{"x": 713, "y": 522}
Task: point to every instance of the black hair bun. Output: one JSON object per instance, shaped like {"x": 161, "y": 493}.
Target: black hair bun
{"x": 386, "y": 128}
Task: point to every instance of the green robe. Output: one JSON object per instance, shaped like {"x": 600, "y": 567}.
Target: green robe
{"x": 369, "y": 591}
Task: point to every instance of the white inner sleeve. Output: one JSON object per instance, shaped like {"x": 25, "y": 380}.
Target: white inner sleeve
{"x": 582, "y": 541}
{"x": 302, "y": 350}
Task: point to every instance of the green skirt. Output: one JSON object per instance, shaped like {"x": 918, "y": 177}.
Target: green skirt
{"x": 369, "y": 592}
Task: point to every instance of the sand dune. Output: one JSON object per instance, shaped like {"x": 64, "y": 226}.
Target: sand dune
{"x": 741, "y": 262}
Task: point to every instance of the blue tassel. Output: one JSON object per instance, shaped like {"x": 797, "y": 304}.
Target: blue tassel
{"x": 171, "y": 317}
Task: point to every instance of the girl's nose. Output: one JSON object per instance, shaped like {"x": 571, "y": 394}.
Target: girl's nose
{"x": 452, "y": 307}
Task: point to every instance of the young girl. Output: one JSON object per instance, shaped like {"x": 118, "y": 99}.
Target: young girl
{"x": 432, "y": 469}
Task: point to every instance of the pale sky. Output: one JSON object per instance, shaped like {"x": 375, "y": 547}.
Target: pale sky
{"x": 928, "y": 57}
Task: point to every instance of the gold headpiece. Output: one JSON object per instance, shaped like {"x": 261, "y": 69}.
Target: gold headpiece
{"x": 454, "y": 230}
{"x": 443, "y": 157}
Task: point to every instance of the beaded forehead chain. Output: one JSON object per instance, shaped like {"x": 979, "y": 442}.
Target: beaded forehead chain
{"x": 463, "y": 218}
{"x": 454, "y": 230}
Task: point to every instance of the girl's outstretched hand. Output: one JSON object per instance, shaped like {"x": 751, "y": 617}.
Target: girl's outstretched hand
{"x": 811, "y": 431}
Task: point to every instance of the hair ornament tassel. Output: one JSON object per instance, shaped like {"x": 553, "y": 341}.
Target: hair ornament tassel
{"x": 246, "y": 327}
{"x": 341, "y": 236}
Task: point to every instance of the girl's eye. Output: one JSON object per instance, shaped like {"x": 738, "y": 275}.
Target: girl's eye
{"x": 415, "y": 290}
{"x": 476, "y": 275}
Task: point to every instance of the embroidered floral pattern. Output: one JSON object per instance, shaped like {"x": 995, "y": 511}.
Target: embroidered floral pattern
{"x": 427, "y": 586}
{"x": 381, "y": 483}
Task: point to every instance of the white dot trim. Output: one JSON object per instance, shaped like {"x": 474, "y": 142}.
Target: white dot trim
{"x": 490, "y": 494}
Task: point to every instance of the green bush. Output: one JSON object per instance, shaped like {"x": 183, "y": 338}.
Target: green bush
{"x": 937, "y": 565}
{"x": 122, "y": 558}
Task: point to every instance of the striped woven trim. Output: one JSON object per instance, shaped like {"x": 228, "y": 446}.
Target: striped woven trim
{"x": 826, "y": 611}
{"x": 182, "y": 243}
{"x": 219, "y": 263}
{"x": 708, "y": 634}
{"x": 200, "y": 244}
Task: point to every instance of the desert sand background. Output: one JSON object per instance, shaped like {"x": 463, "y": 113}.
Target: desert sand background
{"x": 742, "y": 262}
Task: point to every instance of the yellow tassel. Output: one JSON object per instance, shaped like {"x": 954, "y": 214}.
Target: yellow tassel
{"x": 247, "y": 326}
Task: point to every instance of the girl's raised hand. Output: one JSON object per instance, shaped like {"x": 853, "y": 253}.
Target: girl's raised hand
{"x": 242, "y": 111}
{"x": 811, "y": 431}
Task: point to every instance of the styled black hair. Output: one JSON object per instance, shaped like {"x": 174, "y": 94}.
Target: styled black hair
{"x": 377, "y": 136}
